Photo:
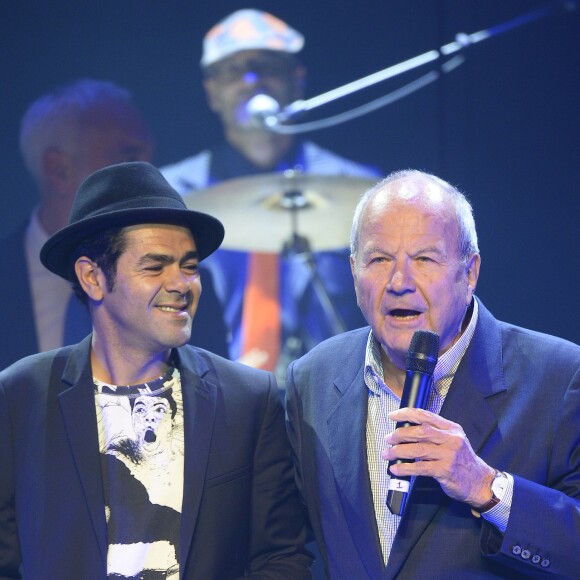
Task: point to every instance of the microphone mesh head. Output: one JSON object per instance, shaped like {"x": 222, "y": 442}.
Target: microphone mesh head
{"x": 423, "y": 352}
{"x": 263, "y": 105}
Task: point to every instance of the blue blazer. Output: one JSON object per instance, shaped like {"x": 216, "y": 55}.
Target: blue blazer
{"x": 240, "y": 507}
{"x": 516, "y": 394}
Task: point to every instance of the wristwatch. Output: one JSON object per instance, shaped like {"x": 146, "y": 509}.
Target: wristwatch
{"x": 498, "y": 489}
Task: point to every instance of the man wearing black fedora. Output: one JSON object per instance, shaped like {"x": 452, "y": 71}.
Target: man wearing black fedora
{"x": 132, "y": 454}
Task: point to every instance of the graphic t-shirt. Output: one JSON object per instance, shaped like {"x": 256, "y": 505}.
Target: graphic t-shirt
{"x": 141, "y": 445}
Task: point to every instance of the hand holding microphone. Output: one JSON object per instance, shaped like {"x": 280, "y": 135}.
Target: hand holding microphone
{"x": 445, "y": 452}
{"x": 420, "y": 364}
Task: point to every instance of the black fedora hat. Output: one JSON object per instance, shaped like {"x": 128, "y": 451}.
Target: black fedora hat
{"x": 123, "y": 195}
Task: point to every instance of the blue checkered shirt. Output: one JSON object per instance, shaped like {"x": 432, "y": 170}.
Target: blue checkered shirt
{"x": 382, "y": 401}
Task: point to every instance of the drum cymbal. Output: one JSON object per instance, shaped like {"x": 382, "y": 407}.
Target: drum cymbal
{"x": 260, "y": 213}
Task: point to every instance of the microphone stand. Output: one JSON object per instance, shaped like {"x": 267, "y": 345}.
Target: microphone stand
{"x": 273, "y": 122}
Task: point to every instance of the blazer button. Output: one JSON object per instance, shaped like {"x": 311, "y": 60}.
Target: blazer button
{"x": 526, "y": 554}
{"x": 545, "y": 563}
{"x": 536, "y": 559}
{"x": 516, "y": 550}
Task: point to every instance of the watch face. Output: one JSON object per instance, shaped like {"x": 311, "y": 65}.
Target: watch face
{"x": 499, "y": 485}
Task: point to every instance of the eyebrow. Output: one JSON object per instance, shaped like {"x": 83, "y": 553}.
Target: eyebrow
{"x": 373, "y": 249}
{"x": 166, "y": 259}
{"x": 428, "y": 249}
{"x": 424, "y": 250}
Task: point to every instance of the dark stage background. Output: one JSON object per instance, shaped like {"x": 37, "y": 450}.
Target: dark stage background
{"x": 504, "y": 127}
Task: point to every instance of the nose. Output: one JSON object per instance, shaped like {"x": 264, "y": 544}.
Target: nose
{"x": 254, "y": 80}
{"x": 401, "y": 280}
{"x": 178, "y": 281}
{"x": 251, "y": 78}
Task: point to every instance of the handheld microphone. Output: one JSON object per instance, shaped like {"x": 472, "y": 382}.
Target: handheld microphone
{"x": 263, "y": 110}
{"x": 420, "y": 364}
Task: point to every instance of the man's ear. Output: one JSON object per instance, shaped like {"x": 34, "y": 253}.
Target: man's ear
{"x": 352, "y": 267}
{"x": 91, "y": 278}
{"x": 353, "y": 270}
{"x": 473, "y": 266}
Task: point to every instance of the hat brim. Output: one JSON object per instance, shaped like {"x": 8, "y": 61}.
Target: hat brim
{"x": 57, "y": 252}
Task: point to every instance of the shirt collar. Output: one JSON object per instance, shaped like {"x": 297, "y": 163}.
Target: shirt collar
{"x": 450, "y": 359}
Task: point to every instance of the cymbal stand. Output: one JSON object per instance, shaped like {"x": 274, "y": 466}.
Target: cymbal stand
{"x": 299, "y": 246}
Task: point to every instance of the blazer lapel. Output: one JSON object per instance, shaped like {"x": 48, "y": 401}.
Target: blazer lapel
{"x": 77, "y": 407}
{"x": 348, "y": 455}
{"x": 199, "y": 388}
{"x": 478, "y": 377}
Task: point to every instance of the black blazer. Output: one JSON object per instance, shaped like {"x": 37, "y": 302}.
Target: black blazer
{"x": 240, "y": 509}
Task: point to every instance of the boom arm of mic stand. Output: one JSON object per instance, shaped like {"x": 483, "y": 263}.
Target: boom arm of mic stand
{"x": 383, "y": 101}
{"x": 390, "y": 72}
{"x": 462, "y": 40}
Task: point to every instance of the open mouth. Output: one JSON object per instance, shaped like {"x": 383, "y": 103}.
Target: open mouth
{"x": 150, "y": 436}
{"x": 403, "y": 313}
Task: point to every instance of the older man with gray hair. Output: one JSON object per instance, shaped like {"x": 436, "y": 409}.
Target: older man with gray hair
{"x": 490, "y": 465}
{"x": 65, "y": 135}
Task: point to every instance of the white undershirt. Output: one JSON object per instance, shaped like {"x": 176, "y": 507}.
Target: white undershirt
{"x": 50, "y": 293}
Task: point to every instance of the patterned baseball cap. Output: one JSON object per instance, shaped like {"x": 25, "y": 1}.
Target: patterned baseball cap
{"x": 249, "y": 29}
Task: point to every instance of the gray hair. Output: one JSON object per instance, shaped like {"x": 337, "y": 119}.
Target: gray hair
{"x": 463, "y": 211}
{"x": 54, "y": 119}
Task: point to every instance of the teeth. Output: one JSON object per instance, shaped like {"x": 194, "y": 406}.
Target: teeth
{"x": 404, "y": 313}
{"x": 169, "y": 309}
